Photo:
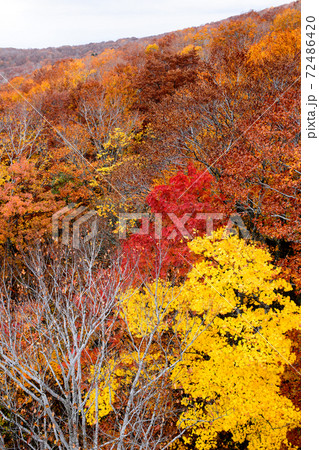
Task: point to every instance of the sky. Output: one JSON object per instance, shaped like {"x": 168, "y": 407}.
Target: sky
{"x": 45, "y": 23}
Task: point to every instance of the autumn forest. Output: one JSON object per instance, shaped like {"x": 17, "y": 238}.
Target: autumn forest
{"x": 150, "y": 243}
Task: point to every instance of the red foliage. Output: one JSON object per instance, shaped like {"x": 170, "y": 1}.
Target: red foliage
{"x": 178, "y": 206}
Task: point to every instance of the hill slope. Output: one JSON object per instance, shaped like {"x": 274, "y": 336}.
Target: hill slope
{"x": 16, "y": 62}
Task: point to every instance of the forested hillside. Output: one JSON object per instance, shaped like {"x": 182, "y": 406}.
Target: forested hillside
{"x": 174, "y": 324}
{"x": 16, "y": 61}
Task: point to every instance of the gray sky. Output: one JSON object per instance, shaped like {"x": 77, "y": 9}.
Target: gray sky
{"x": 44, "y": 23}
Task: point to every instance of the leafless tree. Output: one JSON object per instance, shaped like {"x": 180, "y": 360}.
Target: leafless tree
{"x": 20, "y": 132}
{"x": 63, "y": 337}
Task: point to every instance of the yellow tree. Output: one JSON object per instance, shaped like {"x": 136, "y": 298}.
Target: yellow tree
{"x": 234, "y": 369}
